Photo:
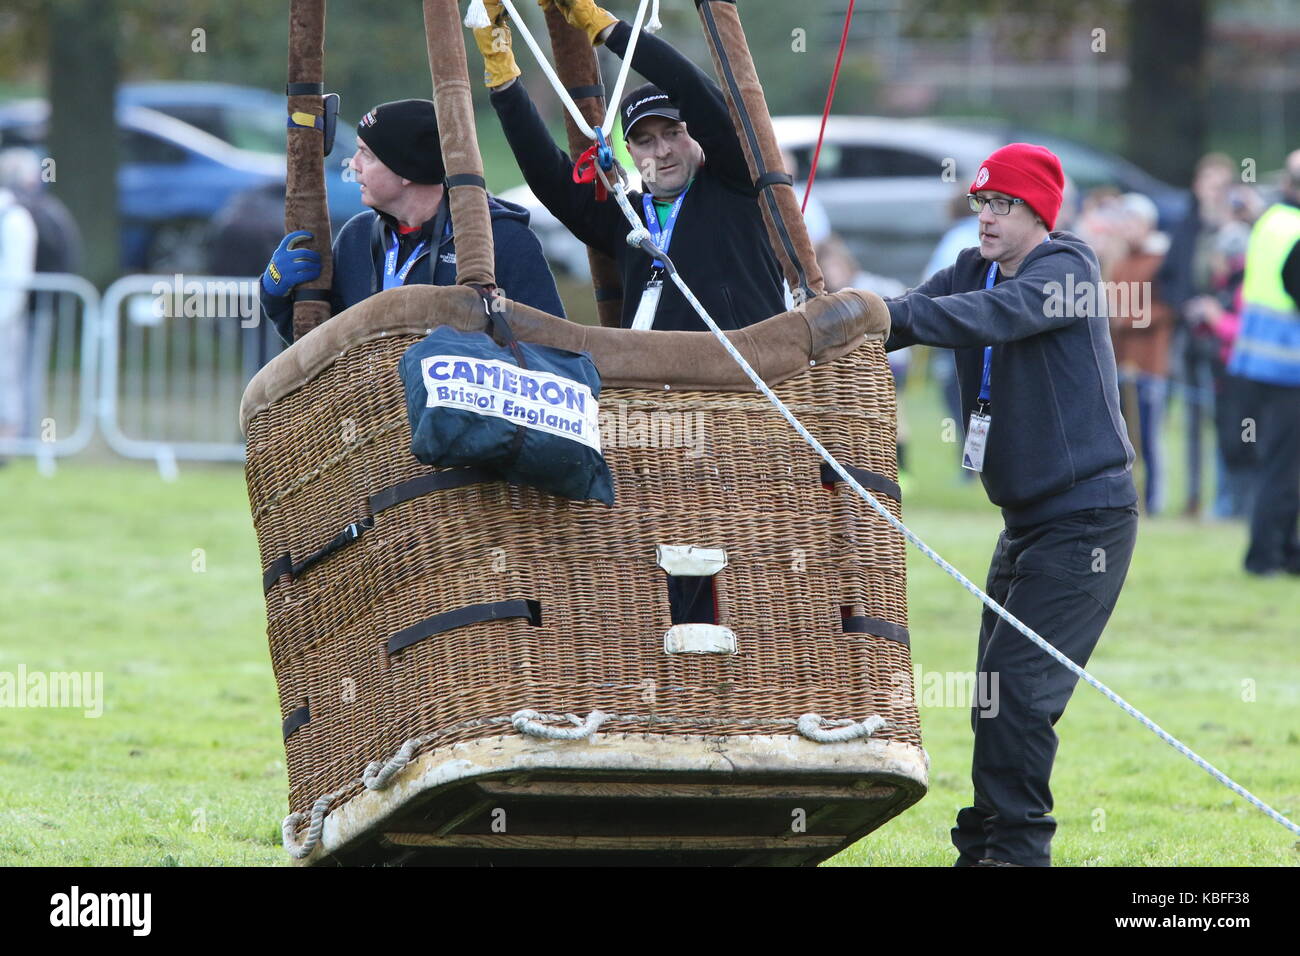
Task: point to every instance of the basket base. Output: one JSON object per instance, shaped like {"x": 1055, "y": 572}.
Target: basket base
{"x": 614, "y": 800}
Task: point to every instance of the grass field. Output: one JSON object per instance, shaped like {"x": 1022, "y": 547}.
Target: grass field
{"x": 106, "y": 568}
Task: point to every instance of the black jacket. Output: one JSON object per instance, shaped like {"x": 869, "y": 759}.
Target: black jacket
{"x": 719, "y": 244}
{"x": 520, "y": 269}
{"x": 1057, "y": 443}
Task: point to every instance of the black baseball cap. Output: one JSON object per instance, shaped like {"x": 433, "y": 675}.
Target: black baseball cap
{"x": 647, "y": 100}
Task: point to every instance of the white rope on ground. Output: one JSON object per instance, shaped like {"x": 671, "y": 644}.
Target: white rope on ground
{"x": 530, "y": 722}
{"x": 810, "y": 725}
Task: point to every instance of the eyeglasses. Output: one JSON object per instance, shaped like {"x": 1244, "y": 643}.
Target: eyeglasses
{"x": 1000, "y": 206}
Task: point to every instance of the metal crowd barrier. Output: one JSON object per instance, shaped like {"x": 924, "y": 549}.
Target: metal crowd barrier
{"x": 48, "y": 344}
{"x": 176, "y": 353}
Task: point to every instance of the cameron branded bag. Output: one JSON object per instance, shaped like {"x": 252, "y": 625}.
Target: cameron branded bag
{"x": 527, "y": 411}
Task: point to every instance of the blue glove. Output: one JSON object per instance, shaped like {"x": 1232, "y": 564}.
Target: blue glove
{"x": 290, "y": 267}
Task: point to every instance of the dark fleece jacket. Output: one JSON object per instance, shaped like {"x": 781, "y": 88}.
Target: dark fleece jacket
{"x": 521, "y": 270}
{"x": 1057, "y": 443}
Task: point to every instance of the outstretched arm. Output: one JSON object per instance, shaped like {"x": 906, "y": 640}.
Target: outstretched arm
{"x": 700, "y": 100}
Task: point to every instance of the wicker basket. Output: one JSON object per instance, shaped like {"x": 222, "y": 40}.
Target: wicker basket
{"x": 564, "y": 608}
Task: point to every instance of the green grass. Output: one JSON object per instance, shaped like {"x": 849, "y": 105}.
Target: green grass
{"x": 185, "y": 766}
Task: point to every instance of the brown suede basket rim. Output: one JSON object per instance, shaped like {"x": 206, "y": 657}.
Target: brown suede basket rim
{"x": 778, "y": 348}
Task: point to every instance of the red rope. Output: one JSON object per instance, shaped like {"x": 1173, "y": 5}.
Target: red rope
{"x": 826, "y": 112}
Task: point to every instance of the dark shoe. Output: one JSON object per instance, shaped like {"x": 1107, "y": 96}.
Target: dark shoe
{"x": 989, "y": 861}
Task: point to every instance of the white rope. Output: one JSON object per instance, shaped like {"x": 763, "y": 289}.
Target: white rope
{"x": 545, "y": 64}
{"x": 377, "y": 775}
{"x": 611, "y": 104}
{"x": 301, "y": 850}
{"x": 478, "y": 13}
{"x": 810, "y": 725}
{"x": 654, "y": 26}
{"x": 648, "y": 244}
{"x": 529, "y": 722}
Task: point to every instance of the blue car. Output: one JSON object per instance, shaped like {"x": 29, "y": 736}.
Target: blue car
{"x": 251, "y": 119}
{"x": 174, "y": 177}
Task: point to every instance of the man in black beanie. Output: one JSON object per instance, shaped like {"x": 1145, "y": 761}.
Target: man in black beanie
{"x": 409, "y": 236}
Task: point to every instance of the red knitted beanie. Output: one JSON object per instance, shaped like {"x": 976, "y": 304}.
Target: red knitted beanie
{"x": 1028, "y": 172}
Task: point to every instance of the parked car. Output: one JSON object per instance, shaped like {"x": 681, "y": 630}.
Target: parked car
{"x": 251, "y": 119}
{"x": 175, "y": 176}
{"x": 887, "y": 184}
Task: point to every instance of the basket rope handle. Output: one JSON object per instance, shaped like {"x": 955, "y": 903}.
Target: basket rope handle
{"x": 810, "y": 725}
{"x": 530, "y": 722}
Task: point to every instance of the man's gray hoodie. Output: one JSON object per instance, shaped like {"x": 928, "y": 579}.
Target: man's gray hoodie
{"x": 1057, "y": 442}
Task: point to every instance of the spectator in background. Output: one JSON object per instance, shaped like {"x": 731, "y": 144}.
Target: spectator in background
{"x": 58, "y": 237}
{"x": 17, "y": 263}
{"x": 1220, "y": 315}
{"x": 1267, "y": 354}
{"x": 1187, "y": 275}
{"x": 1141, "y": 328}
{"x": 58, "y": 250}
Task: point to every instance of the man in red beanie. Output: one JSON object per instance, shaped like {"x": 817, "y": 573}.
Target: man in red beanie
{"x": 1026, "y": 319}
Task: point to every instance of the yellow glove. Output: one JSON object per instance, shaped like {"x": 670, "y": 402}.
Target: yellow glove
{"x": 494, "y": 42}
{"x": 583, "y": 14}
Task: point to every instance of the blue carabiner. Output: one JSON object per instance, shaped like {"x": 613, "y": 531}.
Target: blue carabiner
{"x": 604, "y": 155}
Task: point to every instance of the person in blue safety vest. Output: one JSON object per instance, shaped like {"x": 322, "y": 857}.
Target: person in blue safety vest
{"x": 1266, "y": 354}
{"x": 1025, "y": 315}
{"x": 407, "y": 236}
{"x": 699, "y": 205}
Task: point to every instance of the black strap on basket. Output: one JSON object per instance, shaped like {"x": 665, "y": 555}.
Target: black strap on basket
{"x": 389, "y": 497}
{"x": 471, "y": 614}
{"x": 867, "y": 479}
{"x": 860, "y": 624}
{"x": 295, "y": 719}
{"x": 412, "y": 488}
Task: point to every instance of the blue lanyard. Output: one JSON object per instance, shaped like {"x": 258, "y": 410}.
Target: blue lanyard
{"x": 393, "y": 277}
{"x": 661, "y": 239}
{"x": 988, "y": 349}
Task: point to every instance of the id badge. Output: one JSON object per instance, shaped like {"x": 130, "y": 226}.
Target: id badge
{"x": 645, "y": 309}
{"x": 977, "y": 435}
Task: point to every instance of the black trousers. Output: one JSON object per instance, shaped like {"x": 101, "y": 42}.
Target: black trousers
{"x": 1274, "y": 542}
{"x": 1061, "y": 578}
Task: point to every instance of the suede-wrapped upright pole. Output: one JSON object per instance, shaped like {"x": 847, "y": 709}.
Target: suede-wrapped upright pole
{"x": 460, "y": 155}
{"x": 579, "y": 71}
{"x": 305, "y": 205}
{"x": 785, "y": 225}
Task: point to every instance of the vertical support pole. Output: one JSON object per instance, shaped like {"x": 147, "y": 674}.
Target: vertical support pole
{"x": 781, "y": 214}
{"x": 475, "y": 264}
{"x": 305, "y": 206}
{"x": 579, "y": 70}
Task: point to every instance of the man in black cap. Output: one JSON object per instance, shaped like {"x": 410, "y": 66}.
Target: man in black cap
{"x": 409, "y": 236}
{"x": 700, "y": 206}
